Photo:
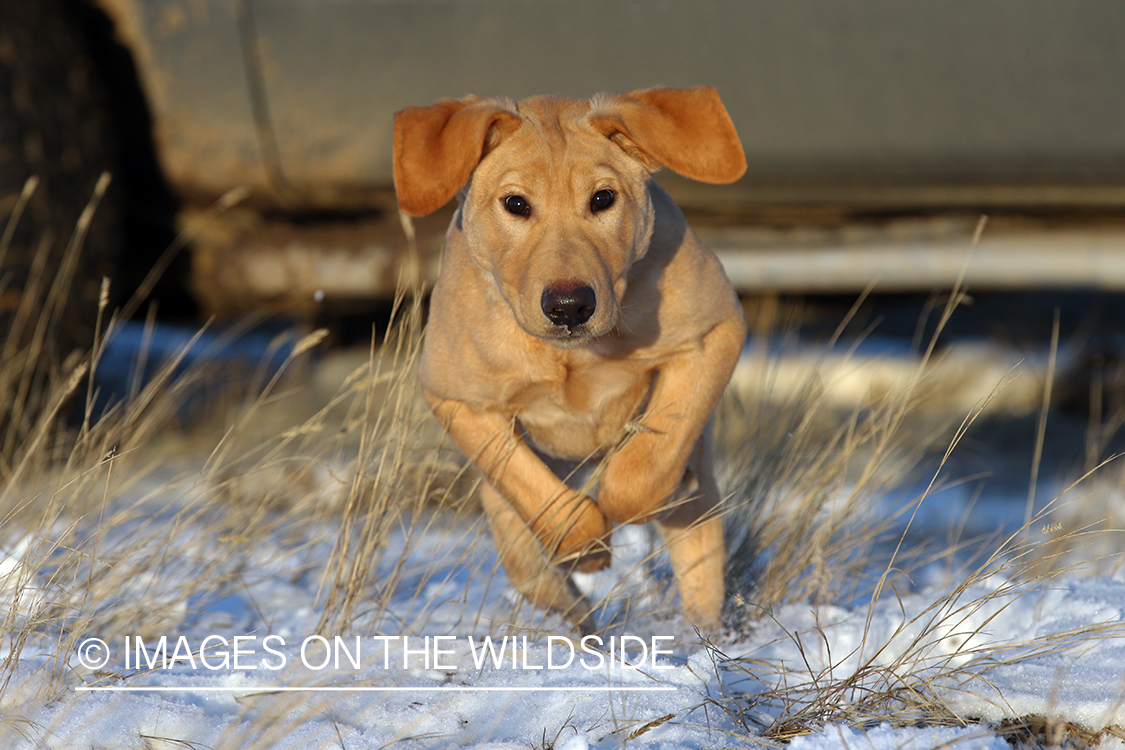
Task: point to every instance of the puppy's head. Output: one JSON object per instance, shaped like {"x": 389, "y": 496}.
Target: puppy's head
{"x": 556, "y": 191}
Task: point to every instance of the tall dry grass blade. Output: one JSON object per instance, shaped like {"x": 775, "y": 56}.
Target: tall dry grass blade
{"x": 29, "y": 188}
{"x": 96, "y": 352}
{"x": 45, "y": 423}
{"x": 1041, "y": 421}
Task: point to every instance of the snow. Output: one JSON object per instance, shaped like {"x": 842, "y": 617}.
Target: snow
{"x": 253, "y": 665}
{"x": 1056, "y": 649}
{"x": 885, "y": 737}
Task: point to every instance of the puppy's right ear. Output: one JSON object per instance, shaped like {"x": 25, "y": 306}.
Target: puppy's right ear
{"x": 438, "y": 147}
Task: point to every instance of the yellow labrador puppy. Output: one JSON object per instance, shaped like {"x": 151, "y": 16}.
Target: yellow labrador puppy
{"x": 578, "y": 320}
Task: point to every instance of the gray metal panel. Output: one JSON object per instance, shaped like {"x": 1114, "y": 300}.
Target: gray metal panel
{"x": 190, "y": 64}
{"x": 889, "y": 98}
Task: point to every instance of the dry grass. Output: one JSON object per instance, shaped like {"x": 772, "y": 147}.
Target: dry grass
{"x": 121, "y": 523}
{"x": 806, "y": 530}
{"x": 806, "y": 479}
{"x": 113, "y": 525}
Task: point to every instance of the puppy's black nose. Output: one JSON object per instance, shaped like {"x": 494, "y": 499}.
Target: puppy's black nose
{"x": 568, "y": 303}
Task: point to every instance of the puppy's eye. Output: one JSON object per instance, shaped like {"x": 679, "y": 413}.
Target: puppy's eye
{"x": 518, "y": 205}
{"x": 601, "y": 200}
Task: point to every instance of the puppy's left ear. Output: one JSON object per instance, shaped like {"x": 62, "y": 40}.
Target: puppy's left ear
{"x": 686, "y": 130}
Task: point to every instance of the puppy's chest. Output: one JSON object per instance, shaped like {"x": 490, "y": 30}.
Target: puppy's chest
{"x": 576, "y": 412}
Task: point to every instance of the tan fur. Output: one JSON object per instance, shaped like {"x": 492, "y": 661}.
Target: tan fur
{"x": 634, "y": 386}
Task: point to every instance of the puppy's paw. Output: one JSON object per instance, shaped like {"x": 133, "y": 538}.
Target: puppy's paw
{"x": 592, "y": 562}
{"x": 585, "y": 533}
{"x": 596, "y": 556}
{"x": 586, "y": 554}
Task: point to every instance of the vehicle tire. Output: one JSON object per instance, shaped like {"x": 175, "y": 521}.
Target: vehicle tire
{"x": 54, "y": 126}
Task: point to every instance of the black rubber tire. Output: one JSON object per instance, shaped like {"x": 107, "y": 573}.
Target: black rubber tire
{"x": 54, "y": 125}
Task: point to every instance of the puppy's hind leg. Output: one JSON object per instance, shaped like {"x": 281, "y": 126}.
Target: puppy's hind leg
{"x": 528, "y": 567}
{"x": 693, "y": 534}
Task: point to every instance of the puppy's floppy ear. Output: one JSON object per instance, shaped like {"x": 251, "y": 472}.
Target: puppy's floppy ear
{"x": 686, "y": 130}
{"x": 437, "y": 147}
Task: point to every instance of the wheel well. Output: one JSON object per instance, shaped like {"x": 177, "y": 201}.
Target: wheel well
{"x": 148, "y": 204}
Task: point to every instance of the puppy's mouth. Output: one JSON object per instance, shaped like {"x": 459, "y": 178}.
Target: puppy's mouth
{"x": 567, "y": 338}
{"x": 569, "y": 309}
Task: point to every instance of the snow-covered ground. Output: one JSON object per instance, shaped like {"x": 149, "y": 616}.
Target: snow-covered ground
{"x": 206, "y": 631}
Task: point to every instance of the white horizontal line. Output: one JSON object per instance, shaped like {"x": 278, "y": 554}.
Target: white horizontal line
{"x": 362, "y": 689}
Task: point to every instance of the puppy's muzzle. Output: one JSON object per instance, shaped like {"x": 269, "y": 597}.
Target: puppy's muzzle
{"x": 569, "y": 303}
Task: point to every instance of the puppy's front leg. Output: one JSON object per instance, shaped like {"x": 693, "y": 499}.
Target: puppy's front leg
{"x": 528, "y": 569}
{"x": 649, "y": 466}
{"x": 566, "y": 522}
